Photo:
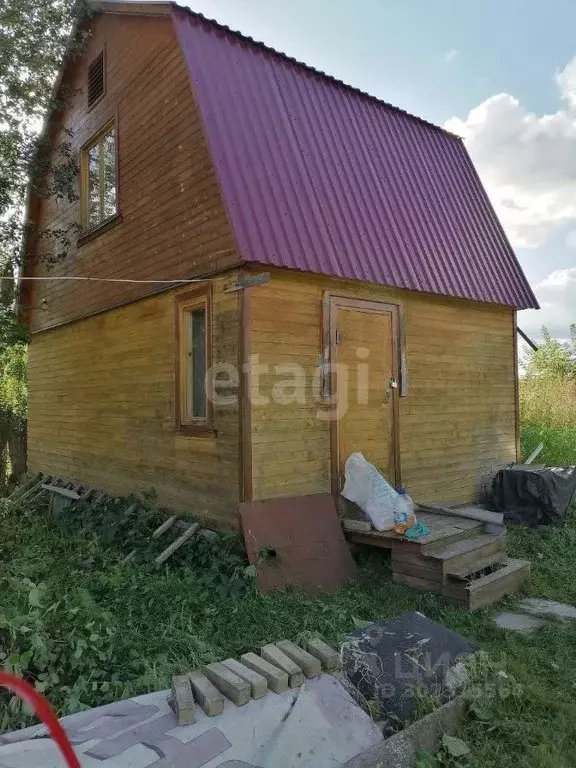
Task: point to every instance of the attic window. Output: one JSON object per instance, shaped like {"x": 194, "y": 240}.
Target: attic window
{"x": 99, "y": 179}
{"x": 96, "y": 79}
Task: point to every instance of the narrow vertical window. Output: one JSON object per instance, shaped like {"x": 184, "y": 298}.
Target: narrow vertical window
{"x": 196, "y": 354}
{"x": 194, "y": 360}
{"x": 98, "y": 183}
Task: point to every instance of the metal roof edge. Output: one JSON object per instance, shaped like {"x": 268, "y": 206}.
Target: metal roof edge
{"x": 309, "y": 68}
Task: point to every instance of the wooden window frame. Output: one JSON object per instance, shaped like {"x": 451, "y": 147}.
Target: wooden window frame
{"x": 101, "y": 52}
{"x": 87, "y": 231}
{"x": 186, "y": 303}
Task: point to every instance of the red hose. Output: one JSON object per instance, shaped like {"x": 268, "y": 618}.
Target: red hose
{"x": 44, "y": 711}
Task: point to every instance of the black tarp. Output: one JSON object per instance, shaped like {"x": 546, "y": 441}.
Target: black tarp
{"x": 533, "y": 495}
{"x": 387, "y": 662}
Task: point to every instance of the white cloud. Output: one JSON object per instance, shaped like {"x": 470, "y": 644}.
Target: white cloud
{"x": 566, "y": 80}
{"x": 449, "y": 56}
{"x": 557, "y": 297}
{"x": 571, "y": 239}
{"x": 526, "y": 161}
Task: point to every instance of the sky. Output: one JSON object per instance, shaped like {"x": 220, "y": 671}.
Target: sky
{"x": 499, "y": 73}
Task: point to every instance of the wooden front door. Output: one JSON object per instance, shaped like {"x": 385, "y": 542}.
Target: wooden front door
{"x": 365, "y": 385}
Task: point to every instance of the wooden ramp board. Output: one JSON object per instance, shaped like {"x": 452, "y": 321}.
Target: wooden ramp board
{"x": 297, "y": 541}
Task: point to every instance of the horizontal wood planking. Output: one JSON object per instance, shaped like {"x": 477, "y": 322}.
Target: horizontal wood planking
{"x": 174, "y": 223}
{"x": 101, "y": 408}
{"x": 456, "y": 424}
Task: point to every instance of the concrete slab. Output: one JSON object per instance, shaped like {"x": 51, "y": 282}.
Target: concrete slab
{"x": 518, "y": 622}
{"x": 401, "y": 750}
{"x": 317, "y": 724}
{"x": 538, "y": 606}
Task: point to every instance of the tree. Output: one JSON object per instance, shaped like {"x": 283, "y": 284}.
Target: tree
{"x": 553, "y": 358}
{"x": 33, "y": 38}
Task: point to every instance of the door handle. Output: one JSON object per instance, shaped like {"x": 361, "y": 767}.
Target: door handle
{"x": 392, "y": 384}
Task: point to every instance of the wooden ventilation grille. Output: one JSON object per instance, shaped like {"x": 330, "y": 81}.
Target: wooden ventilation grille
{"x": 96, "y": 79}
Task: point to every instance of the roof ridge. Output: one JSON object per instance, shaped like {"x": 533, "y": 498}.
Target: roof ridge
{"x": 310, "y": 68}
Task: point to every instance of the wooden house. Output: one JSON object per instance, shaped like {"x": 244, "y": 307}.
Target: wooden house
{"x": 355, "y": 290}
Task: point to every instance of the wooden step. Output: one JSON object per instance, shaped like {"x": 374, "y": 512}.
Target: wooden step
{"x": 491, "y": 588}
{"x": 467, "y": 573}
{"x": 466, "y": 553}
{"x": 416, "y": 566}
{"x": 448, "y": 535}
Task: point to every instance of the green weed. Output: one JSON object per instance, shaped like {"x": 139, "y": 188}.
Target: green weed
{"x": 88, "y": 627}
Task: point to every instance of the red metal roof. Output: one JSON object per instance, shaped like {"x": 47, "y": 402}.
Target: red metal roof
{"x": 321, "y": 177}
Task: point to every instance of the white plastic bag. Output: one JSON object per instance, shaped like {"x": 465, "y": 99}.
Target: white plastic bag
{"x": 365, "y": 486}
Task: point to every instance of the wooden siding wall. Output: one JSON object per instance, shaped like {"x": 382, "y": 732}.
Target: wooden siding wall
{"x": 101, "y": 408}
{"x": 457, "y": 421}
{"x": 174, "y": 223}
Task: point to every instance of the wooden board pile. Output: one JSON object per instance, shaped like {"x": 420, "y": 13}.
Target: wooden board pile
{"x": 279, "y": 666}
{"x": 58, "y": 492}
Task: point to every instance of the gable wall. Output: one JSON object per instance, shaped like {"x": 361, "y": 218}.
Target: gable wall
{"x": 174, "y": 224}
{"x": 457, "y": 422}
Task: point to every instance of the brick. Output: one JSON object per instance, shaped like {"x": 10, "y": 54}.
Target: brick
{"x": 228, "y": 683}
{"x": 275, "y": 656}
{"x": 307, "y": 663}
{"x": 328, "y": 657}
{"x": 206, "y": 694}
{"x": 258, "y": 683}
{"x": 182, "y": 700}
{"x": 277, "y": 678}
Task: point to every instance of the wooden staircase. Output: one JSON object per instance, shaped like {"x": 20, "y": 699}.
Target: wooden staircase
{"x": 458, "y": 559}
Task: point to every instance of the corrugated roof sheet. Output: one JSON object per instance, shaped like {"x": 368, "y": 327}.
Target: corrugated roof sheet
{"x": 318, "y": 176}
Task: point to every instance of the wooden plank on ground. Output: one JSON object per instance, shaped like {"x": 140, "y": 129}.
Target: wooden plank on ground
{"x": 61, "y": 491}
{"x": 165, "y": 526}
{"x": 34, "y": 488}
{"x": 176, "y": 544}
{"x": 25, "y": 486}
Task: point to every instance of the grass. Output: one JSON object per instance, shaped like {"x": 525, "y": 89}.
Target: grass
{"x": 548, "y": 415}
{"x": 89, "y": 627}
